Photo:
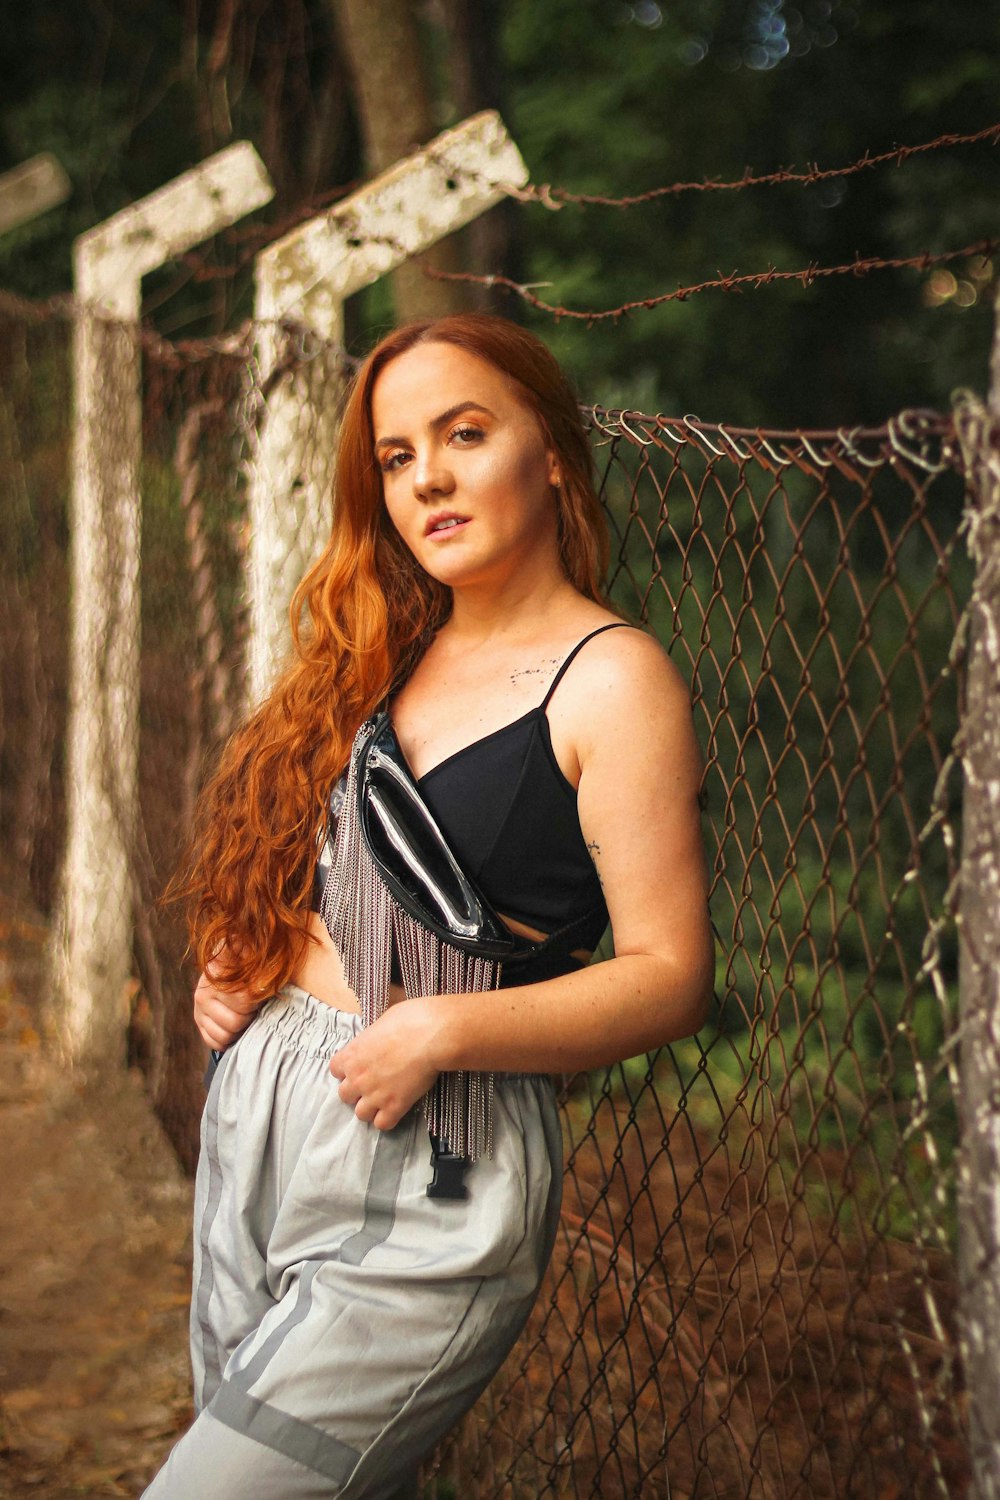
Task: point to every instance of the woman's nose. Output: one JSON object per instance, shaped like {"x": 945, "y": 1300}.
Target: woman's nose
{"x": 431, "y": 474}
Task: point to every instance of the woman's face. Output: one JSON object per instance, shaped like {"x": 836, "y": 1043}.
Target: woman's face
{"x": 467, "y": 475}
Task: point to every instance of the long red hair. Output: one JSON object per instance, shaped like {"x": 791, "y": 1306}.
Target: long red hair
{"x": 361, "y": 618}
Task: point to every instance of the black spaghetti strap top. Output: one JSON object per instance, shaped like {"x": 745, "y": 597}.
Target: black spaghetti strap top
{"x": 510, "y": 815}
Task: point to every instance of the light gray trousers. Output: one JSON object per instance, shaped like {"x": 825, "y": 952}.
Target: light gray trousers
{"x": 341, "y": 1320}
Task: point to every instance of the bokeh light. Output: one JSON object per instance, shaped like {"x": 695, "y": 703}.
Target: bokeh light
{"x": 943, "y": 287}
{"x": 759, "y": 34}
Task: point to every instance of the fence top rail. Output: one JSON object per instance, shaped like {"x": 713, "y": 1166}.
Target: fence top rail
{"x": 923, "y": 437}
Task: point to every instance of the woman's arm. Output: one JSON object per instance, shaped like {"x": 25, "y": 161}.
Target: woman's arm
{"x": 628, "y": 716}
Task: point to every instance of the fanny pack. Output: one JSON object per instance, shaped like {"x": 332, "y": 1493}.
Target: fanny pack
{"x": 394, "y": 881}
{"x": 414, "y": 860}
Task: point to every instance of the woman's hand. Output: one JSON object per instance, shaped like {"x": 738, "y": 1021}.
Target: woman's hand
{"x": 385, "y": 1069}
{"x": 222, "y": 1015}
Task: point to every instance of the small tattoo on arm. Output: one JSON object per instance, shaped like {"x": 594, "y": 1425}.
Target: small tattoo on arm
{"x": 594, "y": 849}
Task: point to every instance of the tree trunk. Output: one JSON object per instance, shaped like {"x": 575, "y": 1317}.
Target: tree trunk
{"x": 493, "y": 241}
{"x": 381, "y": 42}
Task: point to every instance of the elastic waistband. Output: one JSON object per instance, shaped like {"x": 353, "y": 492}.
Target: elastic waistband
{"x": 307, "y": 1024}
{"x": 310, "y": 1025}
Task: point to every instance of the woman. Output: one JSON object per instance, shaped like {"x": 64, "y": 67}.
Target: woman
{"x": 344, "y": 1317}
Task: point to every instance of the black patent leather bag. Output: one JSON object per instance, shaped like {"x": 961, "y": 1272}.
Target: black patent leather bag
{"x": 413, "y": 857}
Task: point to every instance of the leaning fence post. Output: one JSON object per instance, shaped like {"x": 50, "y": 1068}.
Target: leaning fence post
{"x": 979, "y": 950}
{"x": 93, "y": 928}
{"x": 31, "y": 189}
{"x": 303, "y": 280}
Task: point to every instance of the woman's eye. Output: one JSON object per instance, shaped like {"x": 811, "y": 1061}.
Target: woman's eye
{"x": 466, "y": 434}
{"x": 390, "y": 461}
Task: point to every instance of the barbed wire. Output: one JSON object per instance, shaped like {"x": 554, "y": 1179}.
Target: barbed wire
{"x": 556, "y": 197}
{"x": 197, "y": 266}
{"x": 245, "y": 241}
{"x": 239, "y": 341}
{"x": 733, "y": 282}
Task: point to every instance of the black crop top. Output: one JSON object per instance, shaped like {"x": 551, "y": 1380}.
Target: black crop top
{"x": 510, "y": 816}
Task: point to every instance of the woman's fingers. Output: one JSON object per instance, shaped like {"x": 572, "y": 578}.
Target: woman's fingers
{"x": 220, "y": 1016}
{"x": 349, "y": 1092}
{"x": 219, "y": 1029}
{"x": 220, "y": 1022}
{"x": 370, "y": 1103}
{"x": 385, "y": 1069}
{"x": 214, "y": 1035}
{"x": 382, "y": 1116}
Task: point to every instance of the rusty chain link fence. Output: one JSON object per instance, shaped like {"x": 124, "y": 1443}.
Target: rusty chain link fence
{"x": 193, "y": 636}
{"x": 753, "y": 1292}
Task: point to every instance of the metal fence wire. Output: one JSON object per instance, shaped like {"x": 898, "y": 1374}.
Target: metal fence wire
{"x": 753, "y": 1289}
{"x": 753, "y": 1292}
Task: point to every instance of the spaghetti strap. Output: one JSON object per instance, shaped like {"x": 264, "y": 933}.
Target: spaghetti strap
{"x": 616, "y": 625}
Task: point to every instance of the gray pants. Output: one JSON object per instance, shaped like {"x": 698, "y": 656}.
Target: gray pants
{"x": 341, "y": 1320}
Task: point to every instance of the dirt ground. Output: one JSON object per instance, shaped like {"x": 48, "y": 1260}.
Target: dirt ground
{"x": 94, "y": 1261}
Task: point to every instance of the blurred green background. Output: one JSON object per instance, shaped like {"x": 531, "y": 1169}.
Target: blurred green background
{"x": 602, "y": 97}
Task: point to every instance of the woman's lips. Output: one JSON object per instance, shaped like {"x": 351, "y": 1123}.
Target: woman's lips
{"x": 441, "y": 533}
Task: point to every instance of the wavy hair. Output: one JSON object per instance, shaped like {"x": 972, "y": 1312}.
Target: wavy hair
{"x": 361, "y": 618}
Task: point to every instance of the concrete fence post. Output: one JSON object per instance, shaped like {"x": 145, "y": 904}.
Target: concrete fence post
{"x": 303, "y": 281}
{"x": 979, "y": 951}
{"x": 93, "y": 928}
{"x": 31, "y": 189}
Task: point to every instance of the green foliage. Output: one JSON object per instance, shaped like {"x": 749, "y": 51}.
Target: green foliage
{"x": 686, "y": 96}
{"x": 605, "y": 97}
{"x": 103, "y": 95}
{"x": 129, "y": 98}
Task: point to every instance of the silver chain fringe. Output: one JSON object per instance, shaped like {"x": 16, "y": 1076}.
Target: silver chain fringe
{"x": 364, "y": 921}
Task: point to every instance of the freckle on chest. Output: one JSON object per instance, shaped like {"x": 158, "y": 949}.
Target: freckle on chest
{"x": 543, "y": 669}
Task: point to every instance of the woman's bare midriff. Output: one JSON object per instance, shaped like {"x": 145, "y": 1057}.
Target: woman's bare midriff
{"x": 322, "y": 973}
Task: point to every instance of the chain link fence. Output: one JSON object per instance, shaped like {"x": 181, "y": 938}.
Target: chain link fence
{"x": 754, "y": 1288}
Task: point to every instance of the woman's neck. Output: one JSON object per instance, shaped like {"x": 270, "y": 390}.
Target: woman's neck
{"x": 479, "y": 615}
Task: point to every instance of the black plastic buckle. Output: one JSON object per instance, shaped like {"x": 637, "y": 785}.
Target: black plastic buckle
{"x": 449, "y": 1171}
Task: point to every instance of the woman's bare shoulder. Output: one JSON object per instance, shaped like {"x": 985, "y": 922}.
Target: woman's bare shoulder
{"x": 624, "y": 691}
{"x": 627, "y": 663}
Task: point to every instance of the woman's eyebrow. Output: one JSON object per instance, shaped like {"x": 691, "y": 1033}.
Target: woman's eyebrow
{"x": 440, "y": 421}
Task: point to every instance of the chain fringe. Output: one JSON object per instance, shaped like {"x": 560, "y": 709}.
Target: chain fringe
{"x": 364, "y": 921}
